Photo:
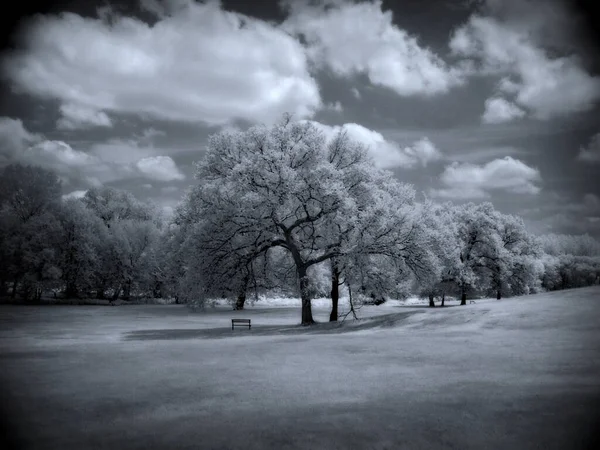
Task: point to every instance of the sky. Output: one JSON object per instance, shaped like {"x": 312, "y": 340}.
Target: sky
{"x": 468, "y": 100}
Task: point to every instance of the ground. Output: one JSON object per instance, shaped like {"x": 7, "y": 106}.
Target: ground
{"x": 521, "y": 373}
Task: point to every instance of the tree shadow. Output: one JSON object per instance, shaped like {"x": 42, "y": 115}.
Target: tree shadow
{"x": 387, "y": 320}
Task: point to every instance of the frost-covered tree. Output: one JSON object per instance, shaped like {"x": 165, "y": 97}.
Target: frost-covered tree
{"x": 278, "y": 187}
{"x": 388, "y": 248}
{"x": 78, "y": 246}
{"x": 129, "y": 233}
{"x": 29, "y": 196}
{"x": 512, "y": 259}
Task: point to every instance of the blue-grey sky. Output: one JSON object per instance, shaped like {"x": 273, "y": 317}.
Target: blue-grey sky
{"x": 469, "y": 100}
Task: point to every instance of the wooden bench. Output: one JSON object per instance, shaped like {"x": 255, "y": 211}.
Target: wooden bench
{"x": 240, "y": 321}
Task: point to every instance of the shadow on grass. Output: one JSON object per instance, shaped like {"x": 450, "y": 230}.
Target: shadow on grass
{"x": 425, "y": 306}
{"x": 347, "y": 326}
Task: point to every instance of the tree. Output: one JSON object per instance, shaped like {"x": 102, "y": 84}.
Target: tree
{"x": 28, "y": 197}
{"x": 28, "y": 191}
{"x": 78, "y": 246}
{"x": 278, "y": 187}
{"x": 129, "y": 231}
{"x": 512, "y": 259}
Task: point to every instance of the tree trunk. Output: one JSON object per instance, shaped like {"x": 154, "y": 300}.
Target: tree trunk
{"x": 115, "y": 295}
{"x": 100, "y": 292}
{"x": 127, "y": 290}
{"x": 71, "y": 290}
{"x": 463, "y": 297}
{"x": 498, "y": 294}
{"x": 157, "y": 290}
{"x": 431, "y": 301}
{"x": 335, "y": 294}
{"x": 443, "y": 299}
{"x": 13, "y": 294}
{"x": 241, "y": 300}
{"x": 307, "y": 318}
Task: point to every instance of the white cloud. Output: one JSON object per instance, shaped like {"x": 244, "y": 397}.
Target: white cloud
{"x": 386, "y": 154}
{"x": 356, "y": 93}
{"x": 14, "y": 138}
{"x": 591, "y": 203}
{"x": 499, "y": 110}
{"x": 161, "y": 168}
{"x": 465, "y": 180}
{"x": 337, "y": 107}
{"x": 353, "y": 38}
{"x": 197, "y": 63}
{"x": 423, "y": 152}
{"x": 591, "y": 153}
{"x": 122, "y": 151}
{"x": 548, "y": 86}
{"x": 57, "y": 154}
{"x": 74, "y": 194}
{"x": 76, "y": 117}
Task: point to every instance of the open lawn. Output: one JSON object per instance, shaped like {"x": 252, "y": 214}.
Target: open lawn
{"x": 520, "y": 373}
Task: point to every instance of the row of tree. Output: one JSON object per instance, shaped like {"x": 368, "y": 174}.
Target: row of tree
{"x": 282, "y": 210}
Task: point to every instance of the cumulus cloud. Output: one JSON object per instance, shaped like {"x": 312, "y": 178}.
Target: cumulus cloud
{"x": 14, "y": 138}
{"x": 103, "y": 162}
{"x": 197, "y": 63}
{"x": 548, "y": 86}
{"x": 591, "y": 203}
{"x": 356, "y": 93}
{"x": 499, "y": 110}
{"x": 76, "y": 117}
{"x": 422, "y": 152}
{"x": 464, "y": 180}
{"x": 352, "y": 38}
{"x": 385, "y": 153}
{"x": 337, "y": 107}
{"x": 161, "y": 168}
{"x": 74, "y": 194}
{"x": 591, "y": 153}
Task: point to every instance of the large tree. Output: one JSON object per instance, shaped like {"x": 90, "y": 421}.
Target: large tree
{"x": 283, "y": 186}
{"x": 29, "y": 196}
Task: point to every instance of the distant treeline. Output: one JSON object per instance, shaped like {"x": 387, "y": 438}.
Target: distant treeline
{"x": 274, "y": 211}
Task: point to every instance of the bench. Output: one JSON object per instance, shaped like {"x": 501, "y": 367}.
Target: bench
{"x": 471, "y": 301}
{"x": 240, "y": 321}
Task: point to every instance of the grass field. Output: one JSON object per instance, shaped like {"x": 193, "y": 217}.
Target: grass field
{"x": 520, "y": 373}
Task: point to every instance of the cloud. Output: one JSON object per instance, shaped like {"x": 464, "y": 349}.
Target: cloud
{"x": 484, "y": 153}
{"x": 14, "y": 138}
{"x": 352, "y": 38}
{"x": 422, "y": 152}
{"x": 356, "y": 93}
{"x": 591, "y": 153}
{"x": 548, "y": 86}
{"x": 103, "y": 162}
{"x": 73, "y": 166}
{"x": 74, "y": 194}
{"x": 386, "y": 154}
{"x": 498, "y": 110}
{"x": 465, "y": 180}
{"x": 76, "y": 117}
{"x": 57, "y": 154}
{"x": 161, "y": 168}
{"x": 337, "y": 107}
{"x": 197, "y": 63}
{"x": 591, "y": 203}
